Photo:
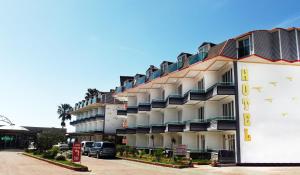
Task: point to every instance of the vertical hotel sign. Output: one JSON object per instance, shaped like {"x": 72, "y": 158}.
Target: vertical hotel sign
{"x": 246, "y": 103}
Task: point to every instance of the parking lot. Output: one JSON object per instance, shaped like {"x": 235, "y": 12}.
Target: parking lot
{"x": 14, "y": 163}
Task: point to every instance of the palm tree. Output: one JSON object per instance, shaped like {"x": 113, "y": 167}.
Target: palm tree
{"x": 91, "y": 93}
{"x": 64, "y": 113}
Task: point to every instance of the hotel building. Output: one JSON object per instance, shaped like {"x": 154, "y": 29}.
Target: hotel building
{"x": 96, "y": 118}
{"x": 238, "y": 99}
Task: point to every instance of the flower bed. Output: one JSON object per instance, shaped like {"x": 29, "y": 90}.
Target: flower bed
{"x": 62, "y": 163}
{"x": 157, "y": 157}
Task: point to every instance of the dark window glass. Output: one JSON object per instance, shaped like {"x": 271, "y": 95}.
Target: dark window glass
{"x": 244, "y": 47}
{"x": 108, "y": 145}
{"x": 89, "y": 144}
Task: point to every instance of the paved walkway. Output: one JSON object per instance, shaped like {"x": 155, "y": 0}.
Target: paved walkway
{"x": 13, "y": 163}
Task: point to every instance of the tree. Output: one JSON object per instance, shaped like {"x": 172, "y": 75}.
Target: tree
{"x": 152, "y": 138}
{"x": 45, "y": 140}
{"x": 91, "y": 93}
{"x": 64, "y": 113}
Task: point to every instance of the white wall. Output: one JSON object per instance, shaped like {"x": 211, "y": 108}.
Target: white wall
{"x": 155, "y": 94}
{"x": 131, "y": 139}
{"x": 213, "y": 140}
{"x": 156, "y": 117}
{"x": 142, "y": 119}
{"x": 167, "y": 137}
{"x": 189, "y": 112}
{"x": 275, "y": 114}
{"x": 131, "y": 121}
{"x": 187, "y": 84}
{"x": 189, "y": 139}
{"x": 170, "y": 115}
{"x": 211, "y": 109}
{"x": 158, "y": 141}
{"x": 142, "y": 98}
{"x": 112, "y": 121}
{"x": 170, "y": 89}
{"x": 132, "y": 101}
{"x": 142, "y": 140}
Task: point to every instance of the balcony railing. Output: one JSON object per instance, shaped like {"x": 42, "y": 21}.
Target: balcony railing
{"x": 128, "y": 85}
{"x": 175, "y": 99}
{"x": 155, "y": 74}
{"x": 198, "y": 57}
{"x": 141, "y": 80}
{"x": 172, "y": 67}
{"x": 144, "y": 107}
{"x": 158, "y": 103}
{"x": 119, "y": 89}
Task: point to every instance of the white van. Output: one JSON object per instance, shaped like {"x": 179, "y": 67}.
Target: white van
{"x": 85, "y": 147}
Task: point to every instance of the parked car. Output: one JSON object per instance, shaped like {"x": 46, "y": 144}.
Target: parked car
{"x": 103, "y": 149}
{"x": 85, "y": 147}
{"x": 62, "y": 146}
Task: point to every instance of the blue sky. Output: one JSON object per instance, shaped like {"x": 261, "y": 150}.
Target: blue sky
{"x": 52, "y": 51}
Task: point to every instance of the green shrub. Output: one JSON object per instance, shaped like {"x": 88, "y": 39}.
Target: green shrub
{"x": 69, "y": 154}
{"x": 60, "y": 157}
{"x": 158, "y": 153}
{"x": 141, "y": 153}
{"x": 121, "y": 149}
{"x": 50, "y": 154}
{"x": 132, "y": 151}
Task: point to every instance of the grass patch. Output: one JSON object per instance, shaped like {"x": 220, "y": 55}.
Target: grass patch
{"x": 65, "y": 162}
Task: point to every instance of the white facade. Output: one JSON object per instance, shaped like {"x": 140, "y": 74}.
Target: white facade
{"x": 274, "y": 113}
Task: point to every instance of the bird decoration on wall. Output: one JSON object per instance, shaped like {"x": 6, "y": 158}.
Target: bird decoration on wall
{"x": 289, "y": 78}
{"x": 258, "y": 88}
{"x": 274, "y": 83}
{"x": 270, "y": 99}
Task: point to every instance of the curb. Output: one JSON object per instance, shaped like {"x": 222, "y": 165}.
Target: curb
{"x": 156, "y": 163}
{"x": 82, "y": 169}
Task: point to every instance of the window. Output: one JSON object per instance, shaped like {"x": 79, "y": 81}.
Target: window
{"x": 201, "y": 84}
{"x": 163, "y": 94}
{"x": 228, "y": 109}
{"x": 231, "y": 142}
{"x": 201, "y": 113}
{"x": 202, "y": 138}
{"x": 179, "y": 115}
{"x": 227, "y": 77}
{"x": 164, "y": 67}
{"x": 179, "y": 90}
{"x": 224, "y": 142}
{"x": 244, "y": 47}
{"x": 203, "y": 51}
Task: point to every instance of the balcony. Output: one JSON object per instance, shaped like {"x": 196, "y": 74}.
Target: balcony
{"x": 143, "y": 129}
{"x": 121, "y": 112}
{"x": 144, "y": 107}
{"x": 132, "y": 109}
{"x": 156, "y": 103}
{"x": 140, "y": 80}
{"x": 130, "y": 130}
{"x": 196, "y": 58}
{"x": 155, "y": 74}
{"x": 175, "y": 99}
{"x": 222, "y": 123}
{"x": 119, "y": 89}
{"x": 158, "y": 128}
{"x": 121, "y": 131}
{"x": 100, "y": 116}
{"x": 198, "y": 125}
{"x": 220, "y": 89}
{"x": 172, "y": 67}
{"x": 195, "y": 94}
{"x": 175, "y": 126}
{"x": 128, "y": 85}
